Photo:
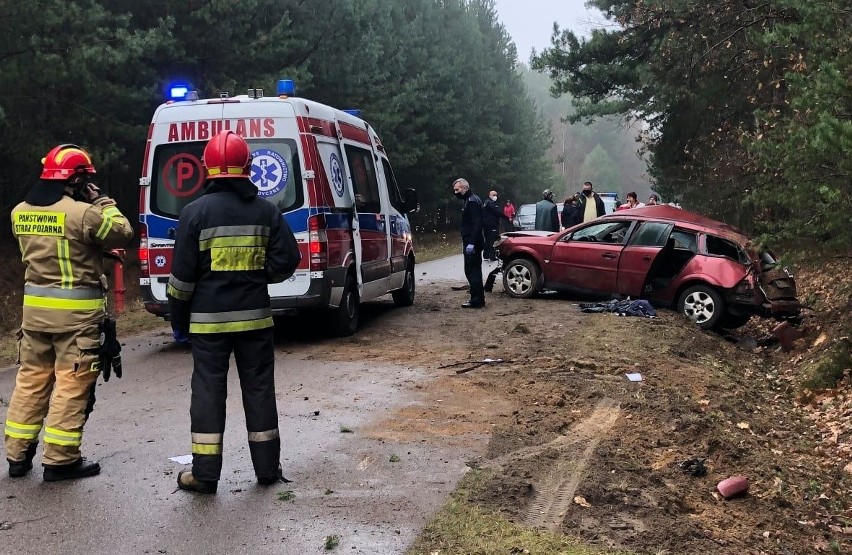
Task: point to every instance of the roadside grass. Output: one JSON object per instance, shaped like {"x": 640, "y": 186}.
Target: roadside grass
{"x": 461, "y": 526}
{"x": 435, "y": 245}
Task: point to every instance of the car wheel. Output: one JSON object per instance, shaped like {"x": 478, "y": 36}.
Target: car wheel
{"x": 734, "y": 321}
{"x": 703, "y": 305}
{"x": 404, "y": 296}
{"x": 345, "y": 316}
{"x": 521, "y": 278}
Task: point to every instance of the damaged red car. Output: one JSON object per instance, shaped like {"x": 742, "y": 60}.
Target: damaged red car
{"x": 705, "y": 269}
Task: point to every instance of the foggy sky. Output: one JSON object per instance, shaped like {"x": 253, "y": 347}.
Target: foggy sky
{"x": 530, "y": 22}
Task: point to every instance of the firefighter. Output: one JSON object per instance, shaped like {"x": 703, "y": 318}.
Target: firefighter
{"x": 230, "y": 244}
{"x": 63, "y": 227}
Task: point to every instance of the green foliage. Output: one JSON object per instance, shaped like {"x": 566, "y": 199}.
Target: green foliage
{"x": 746, "y": 107}
{"x": 436, "y": 78}
{"x": 599, "y": 168}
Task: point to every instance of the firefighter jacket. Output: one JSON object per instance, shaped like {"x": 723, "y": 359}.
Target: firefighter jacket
{"x": 62, "y": 245}
{"x": 230, "y": 244}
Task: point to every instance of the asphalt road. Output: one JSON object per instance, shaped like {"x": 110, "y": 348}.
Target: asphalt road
{"x": 344, "y": 484}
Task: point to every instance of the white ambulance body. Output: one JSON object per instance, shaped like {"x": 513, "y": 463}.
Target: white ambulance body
{"x": 325, "y": 169}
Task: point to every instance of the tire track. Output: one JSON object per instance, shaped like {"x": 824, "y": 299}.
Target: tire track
{"x": 554, "y": 491}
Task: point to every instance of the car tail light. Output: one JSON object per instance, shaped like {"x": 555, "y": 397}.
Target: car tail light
{"x": 317, "y": 243}
{"x": 744, "y": 288}
{"x": 143, "y": 251}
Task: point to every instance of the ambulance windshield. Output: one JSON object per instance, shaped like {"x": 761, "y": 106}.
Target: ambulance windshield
{"x": 178, "y": 176}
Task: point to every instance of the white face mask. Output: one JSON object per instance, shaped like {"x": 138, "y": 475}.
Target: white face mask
{"x": 494, "y": 197}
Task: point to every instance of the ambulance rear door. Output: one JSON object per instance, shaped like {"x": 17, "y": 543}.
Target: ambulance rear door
{"x": 178, "y": 137}
{"x": 269, "y": 125}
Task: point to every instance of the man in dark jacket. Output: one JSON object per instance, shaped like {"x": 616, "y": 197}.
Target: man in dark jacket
{"x": 473, "y": 241}
{"x": 230, "y": 245}
{"x": 546, "y": 213}
{"x": 491, "y": 215}
{"x": 593, "y": 209}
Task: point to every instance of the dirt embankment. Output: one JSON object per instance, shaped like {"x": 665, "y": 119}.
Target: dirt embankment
{"x": 586, "y": 452}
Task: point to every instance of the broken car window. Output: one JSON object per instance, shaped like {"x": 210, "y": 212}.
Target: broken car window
{"x": 685, "y": 240}
{"x": 722, "y": 247}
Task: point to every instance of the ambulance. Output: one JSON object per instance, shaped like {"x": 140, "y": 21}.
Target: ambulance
{"x": 327, "y": 172}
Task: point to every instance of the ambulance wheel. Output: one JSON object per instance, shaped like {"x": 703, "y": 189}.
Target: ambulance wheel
{"x": 404, "y": 296}
{"x": 346, "y": 315}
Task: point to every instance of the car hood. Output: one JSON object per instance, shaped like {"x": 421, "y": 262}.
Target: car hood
{"x": 530, "y": 233}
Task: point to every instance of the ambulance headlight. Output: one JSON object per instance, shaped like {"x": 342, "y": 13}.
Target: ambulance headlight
{"x": 286, "y": 87}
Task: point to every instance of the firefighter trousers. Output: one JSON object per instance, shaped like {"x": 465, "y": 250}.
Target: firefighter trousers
{"x": 254, "y": 353}
{"x": 54, "y": 388}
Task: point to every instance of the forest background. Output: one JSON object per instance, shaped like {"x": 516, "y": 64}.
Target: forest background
{"x": 741, "y": 110}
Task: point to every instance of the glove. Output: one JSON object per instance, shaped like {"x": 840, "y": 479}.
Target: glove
{"x": 109, "y": 352}
{"x": 181, "y": 337}
{"x": 468, "y": 249}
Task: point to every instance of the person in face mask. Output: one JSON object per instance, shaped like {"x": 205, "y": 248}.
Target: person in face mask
{"x": 591, "y": 205}
{"x": 491, "y": 214}
{"x": 472, "y": 241}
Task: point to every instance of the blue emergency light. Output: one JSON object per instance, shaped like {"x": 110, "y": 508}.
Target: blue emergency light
{"x": 178, "y": 92}
{"x": 354, "y": 112}
{"x": 286, "y": 87}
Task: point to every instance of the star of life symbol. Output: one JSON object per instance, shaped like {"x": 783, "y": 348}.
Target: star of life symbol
{"x": 160, "y": 261}
{"x": 336, "y": 174}
{"x": 269, "y": 172}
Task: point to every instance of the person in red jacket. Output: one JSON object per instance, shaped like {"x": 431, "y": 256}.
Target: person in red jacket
{"x": 509, "y": 212}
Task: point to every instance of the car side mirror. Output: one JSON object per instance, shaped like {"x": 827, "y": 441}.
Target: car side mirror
{"x": 411, "y": 203}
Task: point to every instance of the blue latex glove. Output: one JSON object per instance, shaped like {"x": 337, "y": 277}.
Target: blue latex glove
{"x": 181, "y": 337}
{"x": 468, "y": 249}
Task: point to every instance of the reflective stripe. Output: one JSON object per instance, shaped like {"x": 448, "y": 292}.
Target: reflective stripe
{"x": 206, "y": 438}
{"x": 106, "y": 225}
{"x": 263, "y": 436}
{"x": 177, "y": 294}
{"x": 234, "y": 241}
{"x": 187, "y": 286}
{"x": 206, "y": 448}
{"x": 237, "y": 259}
{"x": 22, "y": 431}
{"x": 61, "y": 437}
{"x": 111, "y": 211}
{"x": 232, "y": 327}
{"x": 233, "y": 231}
{"x": 63, "y": 304}
{"x": 232, "y": 316}
{"x": 56, "y": 293}
{"x": 230, "y": 171}
{"x": 64, "y": 255}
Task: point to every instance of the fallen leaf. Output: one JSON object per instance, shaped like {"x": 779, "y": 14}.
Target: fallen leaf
{"x": 581, "y": 501}
{"x": 743, "y": 425}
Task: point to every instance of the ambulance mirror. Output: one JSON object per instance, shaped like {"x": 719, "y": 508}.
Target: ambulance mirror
{"x": 411, "y": 203}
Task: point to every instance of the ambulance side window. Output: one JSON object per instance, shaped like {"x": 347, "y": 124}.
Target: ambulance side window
{"x": 364, "y": 180}
{"x": 393, "y": 188}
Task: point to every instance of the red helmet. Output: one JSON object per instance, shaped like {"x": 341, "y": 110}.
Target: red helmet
{"x": 227, "y": 155}
{"x": 65, "y": 161}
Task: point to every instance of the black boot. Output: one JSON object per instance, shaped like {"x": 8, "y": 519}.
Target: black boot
{"x": 81, "y": 468}
{"x": 186, "y": 481}
{"x": 278, "y": 477}
{"x": 19, "y": 469}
